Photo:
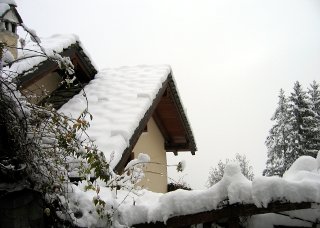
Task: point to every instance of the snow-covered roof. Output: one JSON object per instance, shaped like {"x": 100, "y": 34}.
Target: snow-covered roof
{"x": 4, "y": 7}
{"x": 118, "y": 99}
{"x": 9, "y": 2}
{"x": 32, "y": 55}
{"x": 33, "y": 59}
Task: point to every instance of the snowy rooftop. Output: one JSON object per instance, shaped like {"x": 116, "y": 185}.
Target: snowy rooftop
{"x": 4, "y": 7}
{"x": 118, "y": 100}
{"x": 9, "y": 2}
{"x": 31, "y": 55}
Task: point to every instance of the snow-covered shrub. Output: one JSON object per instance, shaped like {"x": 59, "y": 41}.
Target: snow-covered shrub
{"x": 216, "y": 173}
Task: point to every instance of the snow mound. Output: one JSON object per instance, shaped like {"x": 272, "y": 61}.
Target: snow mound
{"x": 301, "y": 184}
{"x": 302, "y": 164}
{"x": 233, "y": 185}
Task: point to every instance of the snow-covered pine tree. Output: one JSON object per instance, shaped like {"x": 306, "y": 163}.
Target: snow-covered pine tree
{"x": 301, "y": 121}
{"x": 278, "y": 138}
{"x": 313, "y": 144}
{"x": 314, "y": 95}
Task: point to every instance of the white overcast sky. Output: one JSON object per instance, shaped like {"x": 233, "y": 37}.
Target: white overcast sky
{"x": 229, "y": 58}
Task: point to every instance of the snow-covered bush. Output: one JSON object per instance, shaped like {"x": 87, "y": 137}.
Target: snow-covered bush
{"x": 216, "y": 173}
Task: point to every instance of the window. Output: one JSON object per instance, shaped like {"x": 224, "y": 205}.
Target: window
{"x": 11, "y": 27}
{"x": 14, "y": 28}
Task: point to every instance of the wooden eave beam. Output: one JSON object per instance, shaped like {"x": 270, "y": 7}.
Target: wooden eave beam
{"x": 182, "y": 116}
{"x": 170, "y": 113}
{"x": 177, "y": 147}
{"x": 227, "y": 213}
{"x": 85, "y": 63}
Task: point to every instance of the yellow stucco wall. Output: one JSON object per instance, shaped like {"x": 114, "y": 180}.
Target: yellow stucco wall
{"x": 152, "y": 143}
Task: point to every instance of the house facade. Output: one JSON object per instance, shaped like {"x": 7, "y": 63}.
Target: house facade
{"x": 138, "y": 107}
{"x": 155, "y": 173}
{"x": 136, "y": 110}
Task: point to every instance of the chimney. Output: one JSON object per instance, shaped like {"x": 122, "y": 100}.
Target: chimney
{"x": 9, "y": 20}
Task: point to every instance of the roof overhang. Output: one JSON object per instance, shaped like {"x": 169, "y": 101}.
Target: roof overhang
{"x": 84, "y": 70}
{"x": 169, "y": 115}
{"x": 172, "y": 121}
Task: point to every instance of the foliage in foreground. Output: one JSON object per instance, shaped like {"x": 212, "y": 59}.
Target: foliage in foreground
{"x": 45, "y": 150}
{"x": 41, "y": 147}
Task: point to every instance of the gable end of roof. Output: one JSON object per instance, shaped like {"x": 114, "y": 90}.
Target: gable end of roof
{"x": 189, "y": 145}
{"x": 73, "y": 51}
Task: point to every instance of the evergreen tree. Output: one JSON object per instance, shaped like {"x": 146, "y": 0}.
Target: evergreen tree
{"x": 302, "y": 124}
{"x": 314, "y": 96}
{"x": 277, "y": 141}
{"x": 313, "y": 144}
{"x": 296, "y": 131}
